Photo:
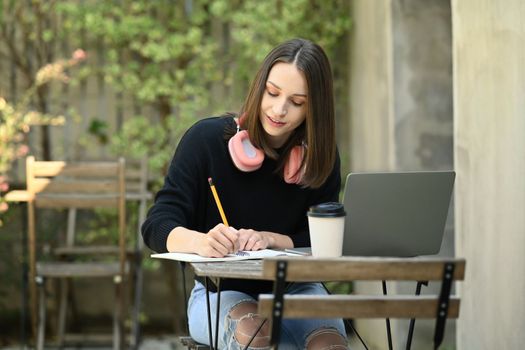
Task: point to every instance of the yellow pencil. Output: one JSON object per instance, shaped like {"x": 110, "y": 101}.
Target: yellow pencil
{"x": 217, "y": 201}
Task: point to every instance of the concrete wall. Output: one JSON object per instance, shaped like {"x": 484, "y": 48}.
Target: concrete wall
{"x": 422, "y": 85}
{"x": 489, "y": 111}
{"x": 401, "y": 116}
{"x": 371, "y": 102}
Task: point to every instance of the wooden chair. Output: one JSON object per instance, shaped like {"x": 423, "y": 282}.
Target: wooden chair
{"x": 87, "y": 185}
{"x": 136, "y": 177}
{"x": 304, "y": 269}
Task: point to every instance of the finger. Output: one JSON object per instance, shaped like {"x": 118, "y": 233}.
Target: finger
{"x": 243, "y": 239}
{"x": 218, "y": 241}
{"x": 225, "y": 244}
{"x": 228, "y": 237}
{"x": 236, "y": 244}
{"x": 216, "y": 245}
{"x": 251, "y": 242}
{"x": 242, "y": 243}
{"x": 213, "y": 253}
{"x": 260, "y": 244}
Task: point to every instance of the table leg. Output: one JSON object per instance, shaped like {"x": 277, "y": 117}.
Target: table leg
{"x": 209, "y": 312}
{"x": 388, "y": 329}
{"x": 217, "y": 314}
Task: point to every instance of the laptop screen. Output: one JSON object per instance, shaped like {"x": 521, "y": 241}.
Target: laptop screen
{"x": 400, "y": 214}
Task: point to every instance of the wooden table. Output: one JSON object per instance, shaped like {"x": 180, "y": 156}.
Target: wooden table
{"x": 242, "y": 269}
{"x": 303, "y": 269}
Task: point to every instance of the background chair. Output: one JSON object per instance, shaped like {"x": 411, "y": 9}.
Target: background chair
{"x": 137, "y": 194}
{"x": 86, "y": 185}
{"x": 278, "y": 305}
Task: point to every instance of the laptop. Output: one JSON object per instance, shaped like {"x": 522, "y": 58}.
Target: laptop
{"x": 400, "y": 214}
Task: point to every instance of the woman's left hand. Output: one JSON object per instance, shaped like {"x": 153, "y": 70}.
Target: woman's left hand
{"x": 253, "y": 240}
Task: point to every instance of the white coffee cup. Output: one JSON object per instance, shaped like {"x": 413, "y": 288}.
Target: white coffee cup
{"x": 327, "y": 224}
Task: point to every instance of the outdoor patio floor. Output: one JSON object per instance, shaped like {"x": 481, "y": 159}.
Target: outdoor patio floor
{"x": 156, "y": 343}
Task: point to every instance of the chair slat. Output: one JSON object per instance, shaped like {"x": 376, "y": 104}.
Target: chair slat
{"x": 355, "y": 306}
{"x": 133, "y": 174}
{"x": 76, "y": 201}
{"x": 132, "y": 186}
{"x": 84, "y": 269}
{"x": 84, "y": 169}
{"x": 362, "y": 268}
{"x": 138, "y": 196}
{"x": 86, "y": 250}
{"x": 74, "y": 186}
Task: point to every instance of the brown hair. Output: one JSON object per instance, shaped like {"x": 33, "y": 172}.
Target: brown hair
{"x": 318, "y": 129}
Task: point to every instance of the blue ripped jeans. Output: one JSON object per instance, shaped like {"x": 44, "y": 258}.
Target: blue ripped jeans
{"x": 294, "y": 332}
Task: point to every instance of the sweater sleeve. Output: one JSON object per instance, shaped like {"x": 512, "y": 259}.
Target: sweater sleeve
{"x": 176, "y": 203}
{"x": 328, "y": 192}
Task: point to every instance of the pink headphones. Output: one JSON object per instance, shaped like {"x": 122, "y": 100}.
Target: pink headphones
{"x": 247, "y": 157}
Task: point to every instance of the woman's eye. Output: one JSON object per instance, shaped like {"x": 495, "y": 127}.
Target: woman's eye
{"x": 273, "y": 94}
{"x": 297, "y": 104}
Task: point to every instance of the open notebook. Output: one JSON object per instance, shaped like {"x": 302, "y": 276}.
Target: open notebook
{"x": 240, "y": 255}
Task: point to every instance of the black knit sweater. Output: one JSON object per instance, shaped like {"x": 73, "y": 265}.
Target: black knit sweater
{"x": 259, "y": 200}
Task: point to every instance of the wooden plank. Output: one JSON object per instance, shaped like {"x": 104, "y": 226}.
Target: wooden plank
{"x": 18, "y": 196}
{"x": 133, "y": 174}
{"x": 244, "y": 269}
{"x": 357, "y": 306}
{"x": 77, "y": 201}
{"x": 87, "y": 250}
{"x": 132, "y": 186}
{"x": 84, "y": 169}
{"x": 86, "y": 269}
{"x": 74, "y": 186}
{"x": 363, "y": 268}
{"x": 138, "y": 196}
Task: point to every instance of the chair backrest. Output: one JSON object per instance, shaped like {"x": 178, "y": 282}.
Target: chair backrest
{"x": 86, "y": 185}
{"x": 308, "y": 269}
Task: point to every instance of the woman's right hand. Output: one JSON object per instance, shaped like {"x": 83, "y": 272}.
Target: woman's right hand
{"x": 218, "y": 242}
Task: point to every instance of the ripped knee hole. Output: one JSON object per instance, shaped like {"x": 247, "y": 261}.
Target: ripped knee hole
{"x": 251, "y": 324}
{"x": 326, "y": 339}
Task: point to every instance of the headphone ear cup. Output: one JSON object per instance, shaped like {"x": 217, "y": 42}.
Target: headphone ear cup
{"x": 245, "y": 156}
{"x": 293, "y": 172}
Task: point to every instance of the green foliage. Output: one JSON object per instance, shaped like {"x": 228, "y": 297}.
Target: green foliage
{"x": 185, "y": 60}
{"x": 99, "y": 129}
{"x": 339, "y": 287}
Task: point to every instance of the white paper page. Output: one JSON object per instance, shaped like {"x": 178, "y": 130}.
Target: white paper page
{"x": 243, "y": 255}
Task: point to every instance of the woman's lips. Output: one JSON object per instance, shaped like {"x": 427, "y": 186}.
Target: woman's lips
{"x": 275, "y": 122}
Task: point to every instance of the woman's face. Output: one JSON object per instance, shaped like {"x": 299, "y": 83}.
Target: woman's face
{"x": 283, "y": 106}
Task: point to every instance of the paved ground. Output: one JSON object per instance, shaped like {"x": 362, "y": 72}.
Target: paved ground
{"x": 160, "y": 343}
{"x": 164, "y": 343}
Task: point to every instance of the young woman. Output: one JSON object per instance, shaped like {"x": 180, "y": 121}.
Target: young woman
{"x": 269, "y": 166}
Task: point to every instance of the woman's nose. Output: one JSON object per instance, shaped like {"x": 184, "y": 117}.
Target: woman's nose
{"x": 279, "y": 108}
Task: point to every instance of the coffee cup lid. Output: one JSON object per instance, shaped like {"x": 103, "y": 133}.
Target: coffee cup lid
{"x": 329, "y": 209}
